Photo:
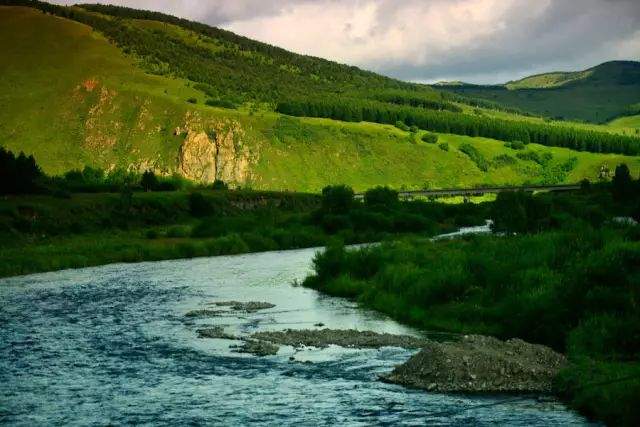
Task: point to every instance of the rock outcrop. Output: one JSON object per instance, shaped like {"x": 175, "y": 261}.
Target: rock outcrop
{"x": 215, "y": 151}
{"x": 480, "y": 364}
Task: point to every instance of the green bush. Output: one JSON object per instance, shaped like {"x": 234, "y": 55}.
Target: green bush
{"x": 515, "y": 145}
{"x": 430, "y": 138}
{"x": 533, "y": 156}
{"x": 444, "y": 146}
{"x": 473, "y": 153}
{"x": 414, "y": 129}
{"x": 149, "y": 182}
{"x": 503, "y": 160}
{"x": 218, "y": 184}
{"x": 221, "y": 103}
{"x": 337, "y": 199}
{"x": 402, "y": 126}
{"x": 380, "y": 196}
{"x": 192, "y": 100}
{"x": 178, "y": 231}
{"x": 199, "y": 206}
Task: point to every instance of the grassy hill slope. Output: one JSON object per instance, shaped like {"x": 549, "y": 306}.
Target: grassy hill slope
{"x": 72, "y": 98}
{"x": 596, "y": 95}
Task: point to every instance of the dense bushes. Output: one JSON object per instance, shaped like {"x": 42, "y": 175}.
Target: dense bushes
{"x": 381, "y": 196}
{"x": 475, "y": 155}
{"x": 414, "y": 99}
{"x": 463, "y": 124}
{"x": 547, "y": 285}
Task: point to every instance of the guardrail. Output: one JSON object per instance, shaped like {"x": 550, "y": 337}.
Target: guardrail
{"x": 478, "y": 191}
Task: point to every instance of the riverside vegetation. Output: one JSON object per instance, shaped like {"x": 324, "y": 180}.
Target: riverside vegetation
{"x": 88, "y": 218}
{"x": 568, "y": 279}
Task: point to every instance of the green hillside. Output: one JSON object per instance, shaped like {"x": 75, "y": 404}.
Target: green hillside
{"x": 596, "y": 95}
{"x": 131, "y": 92}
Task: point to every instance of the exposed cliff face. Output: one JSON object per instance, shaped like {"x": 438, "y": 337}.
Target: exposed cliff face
{"x": 214, "y": 151}
{"x": 197, "y": 159}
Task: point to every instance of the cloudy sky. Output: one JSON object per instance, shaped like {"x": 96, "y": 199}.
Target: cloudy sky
{"x": 479, "y": 41}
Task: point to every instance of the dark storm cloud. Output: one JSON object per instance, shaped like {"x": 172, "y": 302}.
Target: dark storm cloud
{"x": 474, "y": 40}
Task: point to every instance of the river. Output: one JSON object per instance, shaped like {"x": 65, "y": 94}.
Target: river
{"x": 111, "y": 345}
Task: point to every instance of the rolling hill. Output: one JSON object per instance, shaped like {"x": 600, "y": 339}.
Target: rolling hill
{"x": 596, "y": 95}
{"x": 122, "y": 89}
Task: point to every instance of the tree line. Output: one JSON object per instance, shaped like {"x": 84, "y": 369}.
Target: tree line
{"x": 355, "y": 110}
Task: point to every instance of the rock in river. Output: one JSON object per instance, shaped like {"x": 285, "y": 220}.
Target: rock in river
{"x": 480, "y": 364}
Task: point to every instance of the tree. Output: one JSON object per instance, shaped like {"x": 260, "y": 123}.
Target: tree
{"x": 622, "y": 183}
{"x": 337, "y": 199}
{"x": 149, "y": 181}
{"x": 18, "y": 175}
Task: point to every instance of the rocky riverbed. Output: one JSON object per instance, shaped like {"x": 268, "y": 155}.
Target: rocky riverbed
{"x": 474, "y": 364}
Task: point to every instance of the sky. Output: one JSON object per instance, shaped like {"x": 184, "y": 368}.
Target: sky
{"x": 476, "y": 41}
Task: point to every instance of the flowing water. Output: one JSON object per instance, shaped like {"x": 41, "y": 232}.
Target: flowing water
{"x": 111, "y": 345}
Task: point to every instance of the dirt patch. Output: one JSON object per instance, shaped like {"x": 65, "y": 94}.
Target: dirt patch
{"x": 480, "y": 364}
{"x": 345, "y": 338}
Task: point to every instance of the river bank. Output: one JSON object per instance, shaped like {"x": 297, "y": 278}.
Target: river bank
{"x": 46, "y": 233}
{"x": 570, "y": 289}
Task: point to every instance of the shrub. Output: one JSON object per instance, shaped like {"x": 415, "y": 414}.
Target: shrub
{"x": 504, "y": 160}
{"x": 381, "y": 196}
{"x": 332, "y": 223}
{"x": 199, "y": 206}
{"x": 622, "y": 183}
{"x": 444, "y": 146}
{"x": 515, "y": 145}
{"x": 228, "y": 245}
{"x": 533, "y": 156}
{"x": 149, "y": 182}
{"x": 430, "y": 138}
{"x": 221, "y": 103}
{"x": 178, "y": 231}
{"x": 192, "y": 100}
{"x": 473, "y": 153}
{"x": 218, "y": 184}
{"x": 520, "y": 212}
{"x": 414, "y": 129}
{"x": 402, "y": 126}
{"x": 151, "y": 234}
{"x": 337, "y": 199}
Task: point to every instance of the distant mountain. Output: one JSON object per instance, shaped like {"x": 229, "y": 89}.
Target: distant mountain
{"x": 597, "y": 95}
{"x": 622, "y": 73}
